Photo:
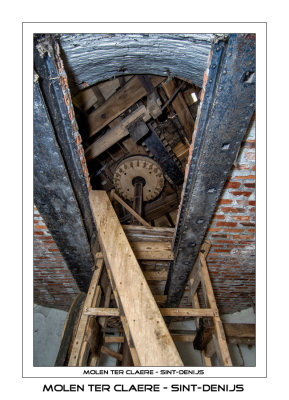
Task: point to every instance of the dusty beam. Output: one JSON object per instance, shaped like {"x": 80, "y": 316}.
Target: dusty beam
{"x": 228, "y": 103}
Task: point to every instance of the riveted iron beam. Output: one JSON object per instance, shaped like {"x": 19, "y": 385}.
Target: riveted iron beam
{"x": 49, "y": 82}
{"x": 54, "y": 196}
{"x": 223, "y": 118}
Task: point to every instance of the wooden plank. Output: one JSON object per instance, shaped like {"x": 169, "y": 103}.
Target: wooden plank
{"x": 129, "y": 209}
{"x": 113, "y": 135}
{"x": 92, "y": 298}
{"x": 102, "y": 320}
{"x": 181, "y": 150}
{"x": 239, "y": 330}
{"x": 124, "y": 321}
{"x": 181, "y": 108}
{"x": 152, "y": 250}
{"x": 165, "y": 312}
{"x": 160, "y": 207}
{"x": 136, "y": 233}
{"x": 67, "y": 331}
{"x": 146, "y": 325}
{"x": 225, "y": 358}
{"x": 185, "y": 338}
{"x": 125, "y": 97}
{"x": 161, "y": 275}
{"x": 111, "y": 353}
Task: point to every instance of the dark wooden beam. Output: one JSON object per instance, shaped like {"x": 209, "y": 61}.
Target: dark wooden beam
{"x": 119, "y": 102}
{"x": 228, "y": 103}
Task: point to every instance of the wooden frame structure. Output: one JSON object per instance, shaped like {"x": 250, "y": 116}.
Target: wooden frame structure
{"x": 143, "y": 328}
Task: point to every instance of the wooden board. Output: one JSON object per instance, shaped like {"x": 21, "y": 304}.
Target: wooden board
{"x": 125, "y": 97}
{"x": 152, "y": 250}
{"x": 146, "y": 325}
{"x": 113, "y": 135}
{"x": 181, "y": 108}
{"x": 92, "y": 300}
{"x": 136, "y": 233}
{"x": 165, "y": 312}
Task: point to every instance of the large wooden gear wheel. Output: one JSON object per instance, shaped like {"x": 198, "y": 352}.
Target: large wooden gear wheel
{"x": 138, "y": 166}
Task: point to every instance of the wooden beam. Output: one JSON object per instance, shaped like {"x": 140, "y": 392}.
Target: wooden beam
{"x": 181, "y": 108}
{"x": 160, "y": 207}
{"x": 152, "y": 250}
{"x": 146, "y": 325}
{"x": 165, "y": 312}
{"x": 92, "y": 299}
{"x": 223, "y": 353}
{"x": 156, "y": 275}
{"x": 136, "y": 233}
{"x": 111, "y": 353}
{"x": 113, "y": 135}
{"x": 130, "y": 210}
{"x": 119, "y": 102}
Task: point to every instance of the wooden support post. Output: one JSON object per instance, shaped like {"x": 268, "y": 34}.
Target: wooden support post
{"x": 130, "y": 210}
{"x": 224, "y": 355}
{"x": 146, "y": 325}
{"x": 181, "y": 108}
{"x": 92, "y": 300}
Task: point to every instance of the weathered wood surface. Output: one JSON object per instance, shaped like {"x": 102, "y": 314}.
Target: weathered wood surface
{"x": 92, "y": 300}
{"x": 181, "y": 108}
{"x": 152, "y": 250}
{"x": 165, "y": 312}
{"x": 146, "y": 325}
{"x": 115, "y": 134}
{"x": 129, "y": 209}
{"x": 136, "y": 233}
{"x": 125, "y": 97}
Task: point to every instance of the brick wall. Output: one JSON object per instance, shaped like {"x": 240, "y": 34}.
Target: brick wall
{"x": 54, "y": 286}
{"x": 231, "y": 260}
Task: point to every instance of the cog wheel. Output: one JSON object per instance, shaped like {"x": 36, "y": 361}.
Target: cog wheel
{"x": 138, "y": 166}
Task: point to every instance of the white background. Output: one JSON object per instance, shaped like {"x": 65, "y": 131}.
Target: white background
{"x": 14, "y": 14}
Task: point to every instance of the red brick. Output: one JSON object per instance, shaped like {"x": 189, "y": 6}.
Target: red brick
{"x": 243, "y": 202}
{"x": 250, "y": 185}
{"x": 218, "y": 216}
{"x": 241, "y": 217}
{"x": 247, "y": 194}
{"x": 242, "y": 167}
{"x": 214, "y": 230}
{"x": 245, "y": 177}
{"x": 243, "y": 237}
{"x": 232, "y": 209}
{"x": 247, "y": 224}
{"x": 252, "y": 202}
{"x": 232, "y": 185}
{"x": 233, "y": 230}
{"x": 232, "y": 224}
{"x": 225, "y": 201}
{"x": 40, "y": 226}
